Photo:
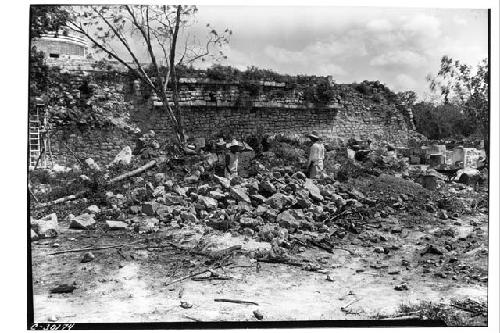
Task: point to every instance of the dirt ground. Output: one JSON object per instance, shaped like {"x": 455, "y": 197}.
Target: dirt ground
{"x": 136, "y": 283}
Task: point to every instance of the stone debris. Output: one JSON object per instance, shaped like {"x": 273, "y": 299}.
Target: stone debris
{"x": 46, "y": 227}
{"x": 258, "y": 314}
{"x": 88, "y": 257}
{"x": 92, "y": 165}
{"x": 124, "y": 157}
{"x": 370, "y": 213}
{"x": 93, "y": 209}
{"x": 116, "y": 225}
{"x": 84, "y": 221}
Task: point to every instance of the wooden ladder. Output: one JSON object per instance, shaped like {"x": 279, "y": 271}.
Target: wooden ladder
{"x": 34, "y": 138}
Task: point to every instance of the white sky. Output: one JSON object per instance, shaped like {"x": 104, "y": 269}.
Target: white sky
{"x": 397, "y": 46}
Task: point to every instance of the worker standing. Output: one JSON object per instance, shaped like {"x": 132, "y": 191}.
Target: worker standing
{"x": 316, "y": 157}
{"x": 220, "y": 151}
{"x": 232, "y": 159}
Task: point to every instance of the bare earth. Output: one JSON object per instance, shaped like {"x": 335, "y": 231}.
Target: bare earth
{"x": 132, "y": 285}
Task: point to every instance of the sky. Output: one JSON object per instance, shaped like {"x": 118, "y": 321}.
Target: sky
{"x": 397, "y": 46}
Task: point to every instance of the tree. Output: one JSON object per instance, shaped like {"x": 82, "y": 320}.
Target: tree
{"x": 460, "y": 85}
{"x": 441, "y": 121}
{"x": 112, "y": 30}
{"x": 407, "y": 98}
{"x": 44, "y": 19}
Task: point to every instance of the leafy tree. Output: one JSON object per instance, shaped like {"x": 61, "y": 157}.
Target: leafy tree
{"x": 441, "y": 121}
{"x": 164, "y": 31}
{"x": 458, "y": 84}
{"x": 44, "y": 19}
{"x": 407, "y": 98}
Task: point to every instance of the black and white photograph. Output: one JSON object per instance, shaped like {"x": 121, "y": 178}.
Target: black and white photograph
{"x": 205, "y": 166}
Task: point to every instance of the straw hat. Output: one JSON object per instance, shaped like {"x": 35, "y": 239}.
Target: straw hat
{"x": 220, "y": 142}
{"x": 234, "y": 143}
{"x": 314, "y": 135}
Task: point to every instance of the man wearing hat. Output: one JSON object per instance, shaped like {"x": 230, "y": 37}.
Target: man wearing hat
{"x": 316, "y": 156}
{"x": 232, "y": 159}
{"x": 220, "y": 151}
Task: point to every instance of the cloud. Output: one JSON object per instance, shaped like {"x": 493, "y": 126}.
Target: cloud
{"x": 394, "y": 45}
{"x": 459, "y": 20}
{"x": 405, "y": 57}
{"x": 379, "y": 25}
{"x": 423, "y": 24}
{"x": 405, "y": 82}
{"x": 320, "y": 57}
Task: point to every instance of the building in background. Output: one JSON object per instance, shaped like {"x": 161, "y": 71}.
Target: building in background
{"x": 62, "y": 45}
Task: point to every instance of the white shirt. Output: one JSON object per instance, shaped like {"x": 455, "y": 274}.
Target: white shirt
{"x": 233, "y": 162}
{"x": 317, "y": 152}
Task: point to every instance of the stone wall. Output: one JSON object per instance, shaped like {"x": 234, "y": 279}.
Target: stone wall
{"x": 102, "y": 145}
{"x": 213, "y": 108}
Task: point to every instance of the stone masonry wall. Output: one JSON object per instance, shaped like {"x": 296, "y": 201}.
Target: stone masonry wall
{"x": 102, "y": 145}
{"x": 211, "y": 109}
{"x": 214, "y": 108}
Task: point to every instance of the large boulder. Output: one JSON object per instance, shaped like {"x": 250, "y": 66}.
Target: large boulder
{"x": 287, "y": 220}
{"x": 46, "y": 227}
{"x": 278, "y": 201}
{"x": 84, "y": 221}
{"x": 208, "y": 203}
{"x": 180, "y": 190}
{"x": 159, "y": 191}
{"x": 217, "y": 195}
{"x": 124, "y": 157}
{"x": 267, "y": 188}
{"x": 224, "y": 182}
{"x": 248, "y": 222}
{"x": 314, "y": 191}
{"x": 188, "y": 217}
{"x": 150, "y": 207}
{"x": 239, "y": 194}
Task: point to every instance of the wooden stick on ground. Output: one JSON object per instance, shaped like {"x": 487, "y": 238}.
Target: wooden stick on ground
{"x": 96, "y": 248}
{"x": 344, "y": 308}
{"x": 234, "y": 301}
{"x": 61, "y": 200}
{"x": 279, "y": 261}
{"x": 143, "y": 168}
{"x": 126, "y": 175}
{"x": 218, "y": 265}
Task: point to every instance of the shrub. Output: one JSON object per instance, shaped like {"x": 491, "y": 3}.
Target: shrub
{"x": 223, "y": 73}
{"x": 363, "y": 88}
{"x": 319, "y": 94}
{"x": 256, "y": 74}
{"x": 252, "y": 88}
{"x": 289, "y": 154}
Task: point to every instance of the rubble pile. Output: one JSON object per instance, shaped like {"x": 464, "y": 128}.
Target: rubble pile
{"x": 277, "y": 205}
